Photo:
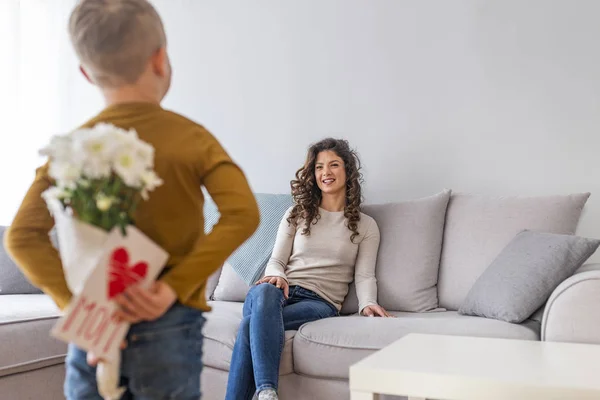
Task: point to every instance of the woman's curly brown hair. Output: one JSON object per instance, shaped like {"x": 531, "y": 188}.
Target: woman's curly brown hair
{"x": 307, "y": 195}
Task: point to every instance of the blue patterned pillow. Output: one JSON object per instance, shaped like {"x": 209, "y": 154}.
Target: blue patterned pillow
{"x": 250, "y": 259}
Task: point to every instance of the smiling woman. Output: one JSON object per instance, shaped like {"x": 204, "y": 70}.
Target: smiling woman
{"x": 323, "y": 243}
{"x": 330, "y": 174}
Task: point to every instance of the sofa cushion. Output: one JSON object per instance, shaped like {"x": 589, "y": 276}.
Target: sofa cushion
{"x": 230, "y": 286}
{"x": 326, "y": 348}
{"x": 220, "y": 332}
{"x": 211, "y": 284}
{"x": 25, "y": 324}
{"x": 409, "y": 253}
{"x": 524, "y": 275}
{"x": 12, "y": 280}
{"x": 479, "y": 227}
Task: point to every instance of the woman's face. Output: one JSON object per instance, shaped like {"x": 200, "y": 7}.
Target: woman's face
{"x": 330, "y": 172}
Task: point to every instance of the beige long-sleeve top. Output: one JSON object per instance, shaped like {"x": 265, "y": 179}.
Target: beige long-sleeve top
{"x": 326, "y": 261}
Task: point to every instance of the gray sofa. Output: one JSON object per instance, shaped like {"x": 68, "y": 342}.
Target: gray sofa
{"x": 431, "y": 253}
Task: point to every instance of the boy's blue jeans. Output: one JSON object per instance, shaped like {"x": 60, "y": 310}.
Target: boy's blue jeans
{"x": 163, "y": 360}
{"x": 266, "y": 317}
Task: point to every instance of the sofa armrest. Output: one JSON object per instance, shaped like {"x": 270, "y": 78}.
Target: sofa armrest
{"x": 572, "y": 313}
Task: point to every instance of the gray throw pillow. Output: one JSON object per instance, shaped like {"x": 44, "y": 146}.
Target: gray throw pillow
{"x": 520, "y": 280}
{"x": 408, "y": 260}
{"x": 12, "y": 280}
{"x": 478, "y": 227}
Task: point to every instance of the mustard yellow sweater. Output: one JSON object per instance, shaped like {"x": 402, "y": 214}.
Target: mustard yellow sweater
{"x": 187, "y": 157}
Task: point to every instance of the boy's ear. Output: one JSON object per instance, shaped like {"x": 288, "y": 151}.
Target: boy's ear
{"x": 159, "y": 62}
{"x": 85, "y": 74}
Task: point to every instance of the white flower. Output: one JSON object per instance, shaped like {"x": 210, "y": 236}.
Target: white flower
{"x": 95, "y": 148}
{"x": 124, "y": 139}
{"x": 66, "y": 174}
{"x": 95, "y": 156}
{"x": 95, "y": 143}
{"x": 128, "y": 167}
{"x": 145, "y": 153}
{"x": 59, "y": 148}
{"x": 95, "y": 168}
{"x": 150, "y": 181}
{"x": 104, "y": 202}
{"x": 55, "y": 193}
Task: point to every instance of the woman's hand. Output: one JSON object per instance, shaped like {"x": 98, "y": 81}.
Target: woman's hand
{"x": 277, "y": 281}
{"x": 375, "y": 311}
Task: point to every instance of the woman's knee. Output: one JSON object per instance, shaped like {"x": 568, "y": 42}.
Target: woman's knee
{"x": 267, "y": 291}
{"x": 244, "y": 328}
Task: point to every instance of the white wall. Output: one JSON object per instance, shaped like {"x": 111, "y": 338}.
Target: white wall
{"x": 36, "y": 73}
{"x": 493, "y": 97}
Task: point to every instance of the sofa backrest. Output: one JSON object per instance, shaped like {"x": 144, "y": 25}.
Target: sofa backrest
{"x": 12, "y": 280}
{"x": 433, "y": 249}
{"x": 479, "y": 227}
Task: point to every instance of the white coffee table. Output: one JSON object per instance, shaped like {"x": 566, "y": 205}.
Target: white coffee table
{"x": 469, "y": 368}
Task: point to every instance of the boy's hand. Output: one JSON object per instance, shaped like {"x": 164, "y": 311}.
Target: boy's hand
{"x": 139, "y": 304}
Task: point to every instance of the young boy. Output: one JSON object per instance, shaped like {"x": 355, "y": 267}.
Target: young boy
{"x": 121, "y": 45}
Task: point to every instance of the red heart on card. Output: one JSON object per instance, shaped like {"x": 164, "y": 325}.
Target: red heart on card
{"x": 120, "y": 274}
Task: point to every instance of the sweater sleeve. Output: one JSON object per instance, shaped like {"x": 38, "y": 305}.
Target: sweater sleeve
{"x": 282, "y": 249}
{"x": 28, "y": 243}
{"x": 364, "y": 270}
{"x": 239, "y": 218}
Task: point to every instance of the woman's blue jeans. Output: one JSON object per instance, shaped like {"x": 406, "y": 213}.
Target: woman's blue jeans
{"x": 259, "y": 344}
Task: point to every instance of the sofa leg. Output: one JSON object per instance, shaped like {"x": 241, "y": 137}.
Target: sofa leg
{"x": 355, "y": 395}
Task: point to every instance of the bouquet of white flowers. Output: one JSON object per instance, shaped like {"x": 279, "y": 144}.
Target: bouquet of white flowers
{"x": 100, "y": 174}
{"x": 99, "y": 177}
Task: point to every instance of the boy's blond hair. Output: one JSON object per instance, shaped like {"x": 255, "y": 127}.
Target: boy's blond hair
{"x": 115, "y": 38}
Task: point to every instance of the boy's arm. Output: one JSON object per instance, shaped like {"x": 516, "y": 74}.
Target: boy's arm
{"x": 230, "y": 191}
{"x": 29, "y": 245}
